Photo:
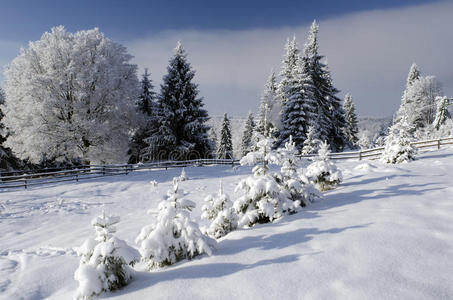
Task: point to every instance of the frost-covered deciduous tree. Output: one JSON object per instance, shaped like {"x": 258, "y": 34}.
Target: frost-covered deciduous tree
{"x": 263, "y": 200}
{"x": 174, "y": 236}
{"x": 225, "y": 150}
{"x": 71, "y": 97}
{"x": 246, "y": 144}
{"x": 220, "y": 212}
{"x": 182, "y": 131}
{"x": 351, "y": 125}
{"x": 105, "y": 263}
{"x": 398, "y": 146}
{"x": 322, "y": 171}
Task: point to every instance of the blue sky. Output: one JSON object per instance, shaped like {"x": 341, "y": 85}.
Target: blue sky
{"x": 234, "y": 44}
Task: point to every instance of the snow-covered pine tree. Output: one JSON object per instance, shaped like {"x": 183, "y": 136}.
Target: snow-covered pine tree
{"x": 220, "y": 212}
{"x": 83, "y": 98}
{"x": 311, "y": 143}
{"x": 147, "y": 106}
{"x": 174, "y": 236}
{"x": 105, "y": 261}
{"x": 246, "y": 144}
{"x": 263, "y": 200}
{"x": 398, "y": 146}
{"x": 289, "y": 63}
{"x": 351, "y": 127}
{"x": 298, "y": 111}
{"x": 406, "y": 100}
{"x": 323, "y": 172}
{"x": 442, "y": 113}
{"x": 292, "y": 180}
{"x": 225, "y": 150}
{"x": 332, "y": 115}
{"x": 271, "y": 99}
{"x": 147, "y": 97}
{"x": 182, "y": 129}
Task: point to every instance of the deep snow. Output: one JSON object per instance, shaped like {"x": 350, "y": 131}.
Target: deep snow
{"x": 385, "y": 233}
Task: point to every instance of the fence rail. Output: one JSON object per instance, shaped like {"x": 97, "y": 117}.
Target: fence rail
{"x": 28, "y": 178}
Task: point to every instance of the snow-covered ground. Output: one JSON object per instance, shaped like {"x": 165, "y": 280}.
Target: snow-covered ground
{"x": 385, "y": 233}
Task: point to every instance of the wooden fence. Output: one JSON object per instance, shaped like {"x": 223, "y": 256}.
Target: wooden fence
{"x": 28, "y": 178}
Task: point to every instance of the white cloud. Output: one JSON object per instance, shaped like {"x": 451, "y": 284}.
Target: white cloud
{"x": 369, "y": 55}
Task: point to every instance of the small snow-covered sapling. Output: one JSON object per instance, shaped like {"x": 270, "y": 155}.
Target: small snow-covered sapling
{"x": 174, "y": 236}
{"x": 219, "y": 210}
{"x": 105, "y": 261}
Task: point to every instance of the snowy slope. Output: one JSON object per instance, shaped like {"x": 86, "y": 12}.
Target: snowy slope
{"x": 385, "y": 233}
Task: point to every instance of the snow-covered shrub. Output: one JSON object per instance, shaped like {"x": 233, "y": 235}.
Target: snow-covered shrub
{"x": 104, "y": 261}
{"x": 322, "y": 171}
{"x": 398, "y": 146}
{"x": 291, "y": 179}
{"x": 263, "y": 200}
{"x": 174, "y": 236}
{"x": 219, "y": 210}
{"x": 183, "y": 176}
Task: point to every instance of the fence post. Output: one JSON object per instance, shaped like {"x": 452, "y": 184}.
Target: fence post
{"x": 360, "y": 155}
{"x": 25, "y": 183}
{"x": 438, "y": 144}
{"x": 103, "y": 170}
{"x": 77, "y": 177}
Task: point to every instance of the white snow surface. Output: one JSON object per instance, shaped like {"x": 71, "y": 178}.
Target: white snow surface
{"x": 385, "y": 232}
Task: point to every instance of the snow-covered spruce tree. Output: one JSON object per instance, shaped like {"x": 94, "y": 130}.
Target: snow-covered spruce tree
{"x": 246, "y": 144}
{"x": 322, "y": 171}
{"x": 442, "y": 113}
{"x": 147, "y": 106}
{"x": 70, "y": 97}
{"x": 174, "y": 236}
{"x": 398, "y": 146}
{"x": 225, "y": 150}
{"x": 351, "y": 128}
{"x": 298, "y": 112}
{"x": 271, "y": 99}
{"x": 407, "y": 104}
{"x": 182, "y": 130}
{"x": 263, "y": 200}
{"x": 311, "y": 143}
{"x": 220, "y": 212}
{"x": 104, "y": 261}
{"x": 331, "y": 116}
{"x": 291, "y": 177}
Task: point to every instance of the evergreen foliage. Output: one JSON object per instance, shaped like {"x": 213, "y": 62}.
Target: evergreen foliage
{"x": 246, "y": 144}
{"x": 331, "y": 114}
{"x": 323, "y": 172}
{"x": 7, "y": 160}
{"x": 220, "y": 212}
{"x": 182, "y": 131}
{"x": 174, "y": 236}
{"x": 263, "y": 200}
{"x": 225, "y": 150}
{"x": 442, "y": 113}
{"x": 398, "y": 146}
{"x": 269, "y": 121}
{"x": 351, "y": 128}
{"x": 298, "y": 110}
{"x": 147, "y": 106}
{"x": 105, "y": 261}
